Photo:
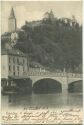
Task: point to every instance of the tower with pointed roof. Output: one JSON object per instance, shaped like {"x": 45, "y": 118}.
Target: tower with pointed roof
{"x": 12, "y": 24}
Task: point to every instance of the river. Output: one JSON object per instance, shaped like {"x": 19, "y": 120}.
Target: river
{"x": 46, "y": 100}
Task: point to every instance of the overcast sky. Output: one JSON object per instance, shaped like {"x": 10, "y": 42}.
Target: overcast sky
{"x": 34, "y": 11}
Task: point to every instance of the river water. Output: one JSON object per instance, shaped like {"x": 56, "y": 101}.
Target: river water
{"x": 42, "y": 100}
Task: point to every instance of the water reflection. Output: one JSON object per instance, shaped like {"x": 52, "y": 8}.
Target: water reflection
{"x": 48, "y": 100}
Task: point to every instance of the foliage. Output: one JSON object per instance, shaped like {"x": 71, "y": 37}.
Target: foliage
{"x": 54, "y": 43}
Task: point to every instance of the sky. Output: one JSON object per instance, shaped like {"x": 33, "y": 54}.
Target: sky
{"x": 34, "y": 10}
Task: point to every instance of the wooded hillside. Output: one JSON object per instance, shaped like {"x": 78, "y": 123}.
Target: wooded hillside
{"x": 52, "y": 42}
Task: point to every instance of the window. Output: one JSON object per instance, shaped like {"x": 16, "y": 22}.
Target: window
{"x": 17, "y": 60}
{"x": 13, "y": 68}
{"x": 18, "y": 68}
{"x": 13, "y": 59}
{"x": 23, "y": 68}
{"x": 9, "y": 59}
{"x": 9, "y": 68}
{"x": 23, "y": 61}
{"x": 14, "y": 73}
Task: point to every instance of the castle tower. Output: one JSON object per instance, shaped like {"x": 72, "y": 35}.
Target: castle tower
{"x": 12, "y": 22}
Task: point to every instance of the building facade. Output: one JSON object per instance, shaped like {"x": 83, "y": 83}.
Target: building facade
{"x": 14, "y": 73}
{"x": 14, "y": 64}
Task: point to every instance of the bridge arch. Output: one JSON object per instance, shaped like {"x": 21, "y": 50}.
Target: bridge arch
{"x": 47, "y": 85}
{"x": 75, "y": 86}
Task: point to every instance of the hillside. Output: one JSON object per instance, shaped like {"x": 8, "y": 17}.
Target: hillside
{"x": 52, "y": 42}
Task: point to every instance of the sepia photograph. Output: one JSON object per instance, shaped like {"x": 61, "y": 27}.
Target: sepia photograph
{"x": 41, "y": 62}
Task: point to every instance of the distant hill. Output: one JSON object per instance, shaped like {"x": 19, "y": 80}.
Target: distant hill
{"x": 52, "y": 42}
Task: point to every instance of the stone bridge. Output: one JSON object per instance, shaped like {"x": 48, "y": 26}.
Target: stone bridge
{"x": 63, "y": 78}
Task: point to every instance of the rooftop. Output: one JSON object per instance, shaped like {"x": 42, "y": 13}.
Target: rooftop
{"x": 14, "y": 52}
{"x": 12, "y": 15}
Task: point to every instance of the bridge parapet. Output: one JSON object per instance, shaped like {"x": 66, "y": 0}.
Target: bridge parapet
{"x": 38, "y": 72}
